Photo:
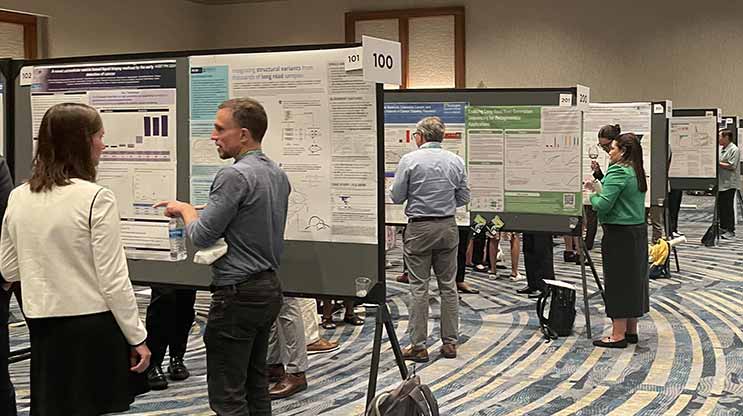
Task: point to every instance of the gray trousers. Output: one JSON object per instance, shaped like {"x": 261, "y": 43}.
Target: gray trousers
{"x": 432, "y": 243}
{"x": 287, "y": 338}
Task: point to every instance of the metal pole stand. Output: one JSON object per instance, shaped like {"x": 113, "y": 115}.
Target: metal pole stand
{"x": 383, "y": 319}
{"x": 667, "y": 226}
{"x": 583, "y": 256}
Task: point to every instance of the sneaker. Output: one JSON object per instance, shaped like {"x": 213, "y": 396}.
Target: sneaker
{"x": 321, "y": 345}
{"x": 517, "y": 277}
{"x": 676, "y": 234}
{"x": 480, "y": 268}
{"x": 403, "y": 278}
{"x": 527, "y": 291}
{"x": 728, "y": 235}
{"x": 535, "y": 294}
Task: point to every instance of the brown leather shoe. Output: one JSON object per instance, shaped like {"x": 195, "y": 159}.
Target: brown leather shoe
{"x": 449, "y": 351}
{"x": 289, "y": 385}
{"x": 275, "y": 372}
{"x": 321, "y": 345}
{"x": 411, "y": 354}
{"x": 403, "y": 278}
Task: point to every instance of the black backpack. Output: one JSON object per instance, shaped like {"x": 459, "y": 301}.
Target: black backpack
{"x": 410, "y": 398}
{"x": 561, "y": 310}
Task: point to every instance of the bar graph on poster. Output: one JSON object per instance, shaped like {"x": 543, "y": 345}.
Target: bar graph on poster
{"x": 137, "y": 104}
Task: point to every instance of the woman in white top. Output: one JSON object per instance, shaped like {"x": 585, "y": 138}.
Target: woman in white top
{"x": 61, "y": 239}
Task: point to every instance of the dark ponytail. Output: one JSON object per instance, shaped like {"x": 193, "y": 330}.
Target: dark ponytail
{"x": 610, "y": 132}
{"x": 631, "y": 149}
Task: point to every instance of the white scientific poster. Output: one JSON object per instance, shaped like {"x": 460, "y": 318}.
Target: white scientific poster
{"x": 137, "y": 103}
{"x": 321, "y": 131}
{"x": 399, "y": 125}
{"x": 632, "y": 118}
{"x": 525, "y": 159}
{"x": 693, "y": 142}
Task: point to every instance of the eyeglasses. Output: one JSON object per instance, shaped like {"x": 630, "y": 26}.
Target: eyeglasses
{"x": 417, "y": 133}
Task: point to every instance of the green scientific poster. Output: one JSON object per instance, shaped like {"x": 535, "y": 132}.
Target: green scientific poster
{"x": 525, "y": 159}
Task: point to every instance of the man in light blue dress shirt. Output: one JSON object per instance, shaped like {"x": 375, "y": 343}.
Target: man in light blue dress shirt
{"x": 433, "y": 181}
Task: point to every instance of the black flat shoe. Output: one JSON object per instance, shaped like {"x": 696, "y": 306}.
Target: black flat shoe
{"x": 177, "y": 369}
{"x": 353, "y": 320}
{"x": 631, "y": 338}
{"x": 610, "y": 344}
{"x": 156, "y": 378}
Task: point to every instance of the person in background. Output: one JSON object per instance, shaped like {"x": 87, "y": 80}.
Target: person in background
{"x": 247, "y": 206}
{"x": 538, "y": 262}
{"x": 169, "y": 319}
{"x": 514, "y": 240}
{"x": 349, "y": 317}
{"x": 61, "y": 239}
{"x": 621, "y": 210}
{"x": 464, "y": 239}
{"x": 606, "y": 135}
{"x": 433, "y": 181}
{"x": 728, "y": 183}
{"x": 287, "y": 338}
{"x": 7, "y": 392}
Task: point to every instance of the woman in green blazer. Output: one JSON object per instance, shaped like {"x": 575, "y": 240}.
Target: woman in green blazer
{"x": 620, "y": 205}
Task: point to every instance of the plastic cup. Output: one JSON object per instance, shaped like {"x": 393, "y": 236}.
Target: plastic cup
{"x": 362, "y": 286}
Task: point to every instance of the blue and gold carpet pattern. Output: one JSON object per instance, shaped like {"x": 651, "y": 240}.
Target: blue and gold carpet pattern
{"x": 689, "y": 360}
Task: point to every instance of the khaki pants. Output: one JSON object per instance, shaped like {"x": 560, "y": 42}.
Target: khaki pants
{"x": 426, "y": 244}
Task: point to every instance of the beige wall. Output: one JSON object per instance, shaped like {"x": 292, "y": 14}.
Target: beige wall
{"x": 624, "y": 50}
{"x": 94, "y": 27}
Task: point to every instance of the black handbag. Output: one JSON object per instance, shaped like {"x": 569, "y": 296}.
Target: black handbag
{"x": 561, "y": 309}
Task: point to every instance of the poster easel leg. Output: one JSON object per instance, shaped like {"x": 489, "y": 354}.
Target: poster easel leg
{"x": 586, "y": 311}
{"x": 716, "y": 220}
{"x": 383, "y": 320}
{"x": 584, "y": 256}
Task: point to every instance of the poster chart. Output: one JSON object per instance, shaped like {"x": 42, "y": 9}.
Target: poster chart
{"x": 632, "y": 118}
{"x": 693, "y": 145}
{"x": 399, "y": 125}
{"x": 525, "y": 159}
{"x": 322, "y": 130}
{"x": 137, "y": 103}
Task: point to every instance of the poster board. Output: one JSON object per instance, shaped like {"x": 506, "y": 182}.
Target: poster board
{"x": 694, "y": 149}
{"x": 137, "y": 103}
{"x": 484, "y": 105}
{"x": 648, "y": 120}
{"x": 319, "y": 263}
{"x": 399, "y": 125}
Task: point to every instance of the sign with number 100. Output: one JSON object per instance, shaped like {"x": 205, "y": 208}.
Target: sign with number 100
{"x": 383, "y": 61}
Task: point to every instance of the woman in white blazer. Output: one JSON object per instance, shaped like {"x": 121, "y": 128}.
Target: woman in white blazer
{"x": 61, "y": 239}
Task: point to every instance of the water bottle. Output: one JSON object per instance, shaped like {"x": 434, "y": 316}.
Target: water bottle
{"x": 177, "y": 237}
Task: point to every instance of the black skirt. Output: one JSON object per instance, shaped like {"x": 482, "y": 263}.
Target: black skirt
{"x": 80, "y": 366}
{"x": 624, "y": 249}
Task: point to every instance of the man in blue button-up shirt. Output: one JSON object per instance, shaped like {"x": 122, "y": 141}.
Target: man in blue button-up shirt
{"x": 433, "y": 181}
{"x": 247, "y": 206}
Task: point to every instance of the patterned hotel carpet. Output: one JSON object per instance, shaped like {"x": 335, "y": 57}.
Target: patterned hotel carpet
{"x": 689, "y": 359}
